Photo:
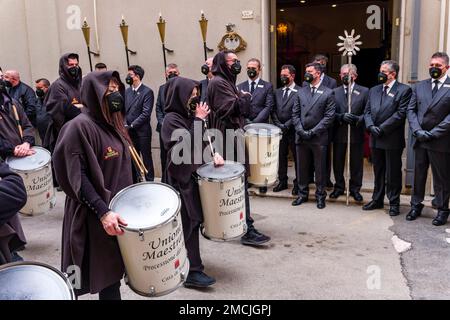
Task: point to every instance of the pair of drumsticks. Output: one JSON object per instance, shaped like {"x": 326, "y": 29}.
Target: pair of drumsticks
{"x": 19, "y": 126}
{"x": 139, "y": 162}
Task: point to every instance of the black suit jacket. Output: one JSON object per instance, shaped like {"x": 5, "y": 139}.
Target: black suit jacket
{"x": 282, "y": 112}
{"x": 204, "y": 90}
{"x": 139, "y": 107}
{"x": 359, "y": 100}
{"x": 314, "y": 113}
{"x": 262, "y": 101}
{"x": 431, "y": 114}
{"x": 389, "y": 117}
{"x": 160, "y": 105}
{"x": 327, "y": 81}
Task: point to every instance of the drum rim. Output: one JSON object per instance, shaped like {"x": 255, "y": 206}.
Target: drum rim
{"x": 114, "y": 199}
{"x": 62, "y": 275}
{"x": 275, "y": 128}
{"x": 7, "y": 161}
{"x": 220, "y": 180}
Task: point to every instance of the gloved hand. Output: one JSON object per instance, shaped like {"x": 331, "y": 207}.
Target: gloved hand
{"x": 350, "y": 119}
{"x": 284, "y": 129}
{"x": 306, "y": 135}
{"x": 423, "y": 136}
{"x": 375, "y": 131}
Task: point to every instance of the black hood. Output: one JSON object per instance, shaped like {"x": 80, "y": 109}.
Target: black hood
{"x": 93, "y": 91}
{"x": 220, "y": 68}
{"x": 178, "y": 91}
{"x": 64, "y": 70}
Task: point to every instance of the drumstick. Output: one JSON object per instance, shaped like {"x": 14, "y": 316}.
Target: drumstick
{"x": 16, "y": 115}
{"x": 140, "y": 161}
{"x": 136, "y": 162}
{"x": 209, "y": 140}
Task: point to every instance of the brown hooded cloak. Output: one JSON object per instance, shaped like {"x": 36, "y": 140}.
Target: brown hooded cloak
{"x": 89, "y": 141}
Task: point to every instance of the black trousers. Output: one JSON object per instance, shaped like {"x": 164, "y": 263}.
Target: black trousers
{"x": 356, "y": 166}
{"x": 111, "y": 293}
{"x": 306, "y": 156}
{"x": 192, "y": 242}
{"x": 143, "y": 145}
{"x": 163, "y": 156}
{"x": 287, "y": 143}
{"x": 440, "y": 167}
{"x": 248, "y": 217}
{"x": 387, "y": 166}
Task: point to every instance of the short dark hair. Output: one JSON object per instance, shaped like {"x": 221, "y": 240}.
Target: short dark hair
{"x": 255, "y": 60}
{"x": 318, "y": 57}
{"x": 73, "y": 56}
{"x": 393, "y": 65}
{"x": 45, "y": 81}
{"x": 172, "y": 66}
{"x": 316, "y": 66}
{"x": 137, "y": 71}
{"x": 442, "y": 55}
{"x": 101, "y": 65}
{"x": 289, "y": 67}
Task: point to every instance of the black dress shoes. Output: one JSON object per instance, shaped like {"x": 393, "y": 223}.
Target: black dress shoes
{"x": 321, "y": 204}
{"x": 357, "y": 196}
{"x": 197, "y": 279}
{"x": 414, "y": 213}
{"x": 336, "y": 194}
{"x": 295, "y": 191}
{"x": 441, "y": 218}
{"x": 394, "y": 211}
{"x": 299, "y": 201}
{"x": 280, "y": 187}
{"x": 263, "y": 190}
{"x": 373, "y": 205}
{"x": 254, "y": 238}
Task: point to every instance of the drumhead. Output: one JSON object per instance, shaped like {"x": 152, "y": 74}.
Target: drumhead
{"x": 262, "y": 129}
{"x": 229, "y": 171}
{"x": 146, "y": 205}
{"x": 33, "y": 281}
{"x": 35, "y": 162}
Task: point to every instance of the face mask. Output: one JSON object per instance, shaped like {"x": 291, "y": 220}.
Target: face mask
{"x": 346, "y": 80}
{"x": 236, "y": 68}
{"x": 252, "y": 73}
{"x": 435, "y": 73}
{"x": 284, "y": 81}
{"x": 172, "y": 75}
{"x": 309, "y": 77}
{"x": 382, "y": 78}
{"x": 129, "y": 80}
{"x": 192, "y": 104}
{"x": 115, "y": 102}
{"x": 205, "y": 69}
{"x": 40, "y": 93}
{"x": 74, "y": 72}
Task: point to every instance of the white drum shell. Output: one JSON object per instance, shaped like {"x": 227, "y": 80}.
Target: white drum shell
{"x": 223, "y": 205}
{"x": 41, "y": 197}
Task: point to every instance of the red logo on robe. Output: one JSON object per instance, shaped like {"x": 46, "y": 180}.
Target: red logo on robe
{"x": 110, "y": 153}
{"x": 177, "y": 264}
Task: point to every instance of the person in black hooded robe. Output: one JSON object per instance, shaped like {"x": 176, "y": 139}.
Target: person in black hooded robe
{"x": 183, "y": 112}
{"x": 230, "y": 108}
{"x": 92, "y": 164}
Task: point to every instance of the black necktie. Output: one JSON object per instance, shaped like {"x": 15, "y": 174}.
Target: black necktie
{"x": 252, "y": 89}
{"x": 286, "y": 94}
{"x": 385, "y": 93}
{"x": 313, "y": 91}
{"x": 435, "y": 88}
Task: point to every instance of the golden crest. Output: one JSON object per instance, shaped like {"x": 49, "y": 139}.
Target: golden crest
{"x": 232, "y": 40}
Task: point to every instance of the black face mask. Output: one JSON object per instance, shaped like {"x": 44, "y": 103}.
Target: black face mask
{"x": 309, "y": 77}
{"x": 236, "y": 68}
{"x": 192, "y": 104}
{"x": 74, "y": 72}
{"x": 382, "y": 78}
{"x": 252, "y": 73}
{"x": 115, "y": 102}
{"x": 40, "y": 93}
{"x": 435, "y": 73}
{"x": 205, "y": 69}
{"x": 172, "y": 75}
{"x": 346, "y": 80}
{"x": 129, "y": 80}
{"x": 284, "y": 81}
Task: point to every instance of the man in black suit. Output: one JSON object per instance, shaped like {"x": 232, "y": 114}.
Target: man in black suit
{"x": 385, "y": 117}
{"x": 429, "y": 119}
{"x": 355, "y": 120}
{"x": 313, "y": 115}
{"x": 206, "y": 70}
{"x": 139, "y": 101}
{"x": 172, "y": 71}
{"x": 282, "y": 118}
{"x": 262, "y": 96}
